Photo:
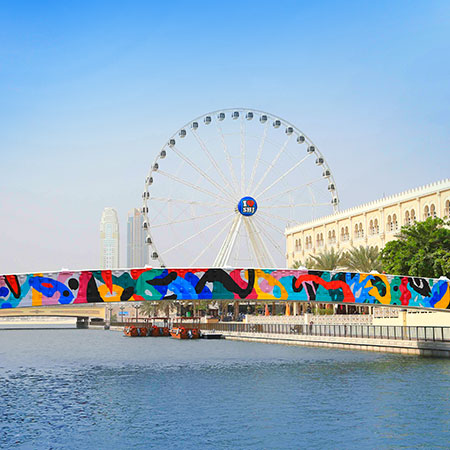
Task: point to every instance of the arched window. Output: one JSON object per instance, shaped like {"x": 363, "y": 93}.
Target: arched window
{"x": 333, "y": 236}
{"x": 433, "y": 211}
{"x": 447, "y": 209}
{"x": 376, "y": 226}
{"x": 361, "y": 230}
{"x": 389, "y": 223}
{"x": 371, "y": 228}
{"x": 426, "y": 212}
{"x": 394, "y": 222}
{"x": 407, "y": 218}
{"x": 413, "y": 216}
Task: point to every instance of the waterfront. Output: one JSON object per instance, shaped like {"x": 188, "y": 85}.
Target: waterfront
{"x": 95, "y": 389}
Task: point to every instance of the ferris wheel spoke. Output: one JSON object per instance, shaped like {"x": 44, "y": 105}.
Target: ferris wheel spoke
{"x": 212, "y": 160}
{"x": 196, "y": 234}
{"x": 288, "y": 191}
{"x": 193, "y": 186}
{"x": 258, "y": 157}
{"x": 201, "y": 172}
{"x": 223, "y": 257}
{"x": 242, "y": 155}
{"x": 210, "y": 244}
{"x": 262, "y": 255}
{"x": 270, "y": 238}
{"x": 227, "y": 155}
{"x": 283, "y": 219}
{"x": 284, "y": 175}
{"x": 186, "y": 202}
{"x": 187, "y": 220}
{"x": 271, "y": 225}
{"x": 293, "y": 205}
{"x": 274, "y": 161}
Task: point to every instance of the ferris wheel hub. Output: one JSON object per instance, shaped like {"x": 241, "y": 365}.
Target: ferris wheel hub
{"x": 247, "y": 206}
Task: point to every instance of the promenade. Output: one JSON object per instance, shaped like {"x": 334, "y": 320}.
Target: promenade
{"x": 423, "y": 341}
{"x": 433, "y": 341}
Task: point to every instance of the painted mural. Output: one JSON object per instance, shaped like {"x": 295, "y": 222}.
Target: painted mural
{"x": 63, "y": 288}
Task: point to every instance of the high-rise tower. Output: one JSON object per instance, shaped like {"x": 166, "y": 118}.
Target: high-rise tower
{"x": 109, "y": 239}
{"x": 137, "y": 253}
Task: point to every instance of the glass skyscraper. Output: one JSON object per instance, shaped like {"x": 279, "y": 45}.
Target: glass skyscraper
{"x": 137, "y": 252}
{"x": 109, "y": 239}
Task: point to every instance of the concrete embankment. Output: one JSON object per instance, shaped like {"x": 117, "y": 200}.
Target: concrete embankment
{"x": 423, "y": 341}
{"x": 406, "y": 347}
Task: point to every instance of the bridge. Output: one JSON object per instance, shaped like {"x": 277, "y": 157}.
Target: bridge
{"x": 85, "y": 287}
{"x": 82, "y": 313}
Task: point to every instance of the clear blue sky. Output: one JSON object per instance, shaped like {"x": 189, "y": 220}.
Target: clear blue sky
{"x": 89, "y": 91}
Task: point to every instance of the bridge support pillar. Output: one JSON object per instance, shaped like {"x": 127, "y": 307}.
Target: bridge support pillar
{"x": 82, "y": 322}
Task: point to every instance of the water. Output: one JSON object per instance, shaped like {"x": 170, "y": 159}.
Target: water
{"x": 96, "y": 389}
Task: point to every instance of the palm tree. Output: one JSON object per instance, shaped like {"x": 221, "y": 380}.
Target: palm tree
{"x": 152, "y": 309}
{"x": 298, "y": 264}
{"x": 147, "y": 308}
{"x": 327, "y": 260}
{"x": 363, "y": 259}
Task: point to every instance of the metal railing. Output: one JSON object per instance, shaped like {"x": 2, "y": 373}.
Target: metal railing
{"x": 416, "y": 333}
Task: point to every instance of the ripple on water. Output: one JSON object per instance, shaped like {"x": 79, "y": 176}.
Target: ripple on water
{"x": 59, "y": 385}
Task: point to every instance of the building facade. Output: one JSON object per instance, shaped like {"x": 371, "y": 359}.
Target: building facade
{"x": 109, "y": 239}
{"x": 137, "y": 251}
{"x": 371, "y": 224}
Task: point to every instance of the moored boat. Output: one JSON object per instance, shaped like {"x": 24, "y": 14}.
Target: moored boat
{"x": 185, "y": 333}
{"x": 154, "y": 331}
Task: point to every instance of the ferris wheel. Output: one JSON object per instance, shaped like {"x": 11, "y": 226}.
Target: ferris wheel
{"x": 224, "y": 187}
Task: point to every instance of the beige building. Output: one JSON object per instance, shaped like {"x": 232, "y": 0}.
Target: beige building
{"x": 371, "y": 224}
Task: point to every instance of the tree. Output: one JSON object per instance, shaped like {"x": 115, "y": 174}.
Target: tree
{"x": 421, "y": 250}
{"x": 152, "y": 309}
{"x": 327, "y": 260}
{"x": 147, "y": 309}
{"x": 363, "y": 259}
{"x": 298, "y": 264}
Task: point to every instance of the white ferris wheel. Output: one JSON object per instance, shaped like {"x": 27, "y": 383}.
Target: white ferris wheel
{"x": 225, "y": 186}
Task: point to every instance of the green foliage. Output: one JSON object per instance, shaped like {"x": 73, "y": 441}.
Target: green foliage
{"x": 358, "y": 259}
{"x": 324, "y": 311}
{"x": 363, "y": 259}
{"x": 326, "y": 260}
{"x": 421, "y": 250}
{"x": 147, "y": 309}
{"x": 296, "y": 264}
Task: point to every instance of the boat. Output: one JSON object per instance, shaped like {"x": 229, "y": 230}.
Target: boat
{"x": 134, "y": 331}
{"x": 154, "y": 331}
{"x": 185, "y": 333}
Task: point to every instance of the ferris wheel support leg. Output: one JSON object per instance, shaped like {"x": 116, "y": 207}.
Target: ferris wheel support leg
{"x": 262, "y": 255}
{"x": 228, "y": 244}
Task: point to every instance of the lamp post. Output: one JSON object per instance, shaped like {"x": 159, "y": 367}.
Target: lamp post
{"x": 136, "y": 307}
{"x": 110, "y": 309}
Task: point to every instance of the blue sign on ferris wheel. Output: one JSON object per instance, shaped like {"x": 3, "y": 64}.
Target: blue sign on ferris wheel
{"x": 247, "y": 206}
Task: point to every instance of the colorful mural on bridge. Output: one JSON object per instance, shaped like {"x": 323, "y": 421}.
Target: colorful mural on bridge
{"x": 63, "y": 288}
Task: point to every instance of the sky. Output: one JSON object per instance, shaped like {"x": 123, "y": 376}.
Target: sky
{"x": 90, "y": 91}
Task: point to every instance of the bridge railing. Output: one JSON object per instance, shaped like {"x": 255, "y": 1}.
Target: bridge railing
{"x": 412, "y": 333}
